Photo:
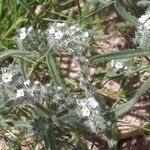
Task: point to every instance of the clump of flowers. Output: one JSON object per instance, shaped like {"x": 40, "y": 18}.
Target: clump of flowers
{"x": 15, "y": 87}
{"x": 30, "y": 40}
{"x": 61, "y": 38}
{"x": 90, "y": 109}
{"x": 142, "y": 36}
{"x": 65, "y": 38}
{"x": 144, "y": 20}
{"x": 118, "y": 65}
{"x": 9, "y": 74}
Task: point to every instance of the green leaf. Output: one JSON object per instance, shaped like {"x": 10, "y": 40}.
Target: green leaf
{"x": 111, "y": 138}
{"x": 123, "y": 108}
{"x": 20, "y": 124}
{"x": 25, "y": 5}
{"x": 126, "y": 15}
{"x": 119, "y": 55}
{"x": 14, "y": 53}
{"x": 20, "y": 20}
{"x": 53, "y": 70}
{"x": 51, "y": 138}
{"x": 1, "y": 7}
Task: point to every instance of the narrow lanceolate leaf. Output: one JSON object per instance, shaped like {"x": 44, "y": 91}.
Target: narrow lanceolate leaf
{"x": 129, "y": 104}
{"x": 20, "y": 20}
{"x": 1, "y": 7}
{"x": 25, "y": 5}
{"x": 119, "y": 55}
{"x": 13, "y": 53}
{"x": 126, "y": 15}
{"x": 21, "y": 124}
{"x": 53, "y": 70}
{"x": 51, "y": 138}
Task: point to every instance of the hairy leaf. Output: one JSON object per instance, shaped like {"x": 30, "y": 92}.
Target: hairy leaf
{"x": 119, "y": 55}
{"x": 126, "y": 15}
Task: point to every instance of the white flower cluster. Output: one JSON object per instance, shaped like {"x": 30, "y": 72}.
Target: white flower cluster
{"x": 7, "y": 74}
{"x": 30, "y": 40}
{"x": 31, "y": 91}
{"x": 142, "y": 36}
{"x": 87, "y": 105}
{"x": 15, "y": 88}
{"x": 67, "y": 38}
{"x": 23, "y": 32}
{"x": 59, "y": 36}
{"x": 90, "y": 109}
{"x": 144, "y": 20}
{"x": 118, "y": 64}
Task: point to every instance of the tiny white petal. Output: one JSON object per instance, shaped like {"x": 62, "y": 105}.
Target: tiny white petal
{"x": 119, "y": 65}
{"x": 63, "y": 24}
{"x": 59, "y": 88}
{"x": 36, "y": 82}
{"x": 72, "y": 27}
{"x": 147, "y": 24}
{"x": 86, "y": 34}
{"x": 23, "y": 29}
{"x": 85, "y": 112}
{"x": 60, "y": 24}
{"x": 96, "y": 112}
{"x": 58, "y": 35}
{"x": 39, "y": 30}
{"x": 112, "y": 63}
{"x": 7, "y": 77}
{"x": 23, "y": 34}
{"x": 48, "y": 85}
{"x": 51, "y": 30}
{"x": 20, "y": 93}
{"x": 140, "y": 27}
{"x": 30, "y": 29}
{"x": 77, "y": 29}
{"x": 27, "y": 82}
{"x": 92, "y": 102}
{"x": 143, "y": 18}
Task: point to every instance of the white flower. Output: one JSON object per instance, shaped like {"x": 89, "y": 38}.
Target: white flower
{"x": 63, "y": 24}
{"x": 22, "y": 33}
{"x": 39, "y": 30}
{"x": 77, "y": 29}
{"x": 85, "y": 112}
{"x": 60, "y": 24}
{"x": 36, "y": 82}
{"x": 112, "y": 63}
{"x": 147, "y": 24}
{"x": 143, "y": 18}
{"x": 7, "y": 77}
{"x": 51, "y": 30}
{"x": 23, "y": 29}
{"x": 92, "y": 102}
{"x": 117, "y": 64}
{"x": 20, "y": 93}
{"x": 30, "y": 29}
{"x": 58, "y": 35}
{"x": 27, "y": 82}
{"x": 86, "y": 35}
{"x": 72, "y": 27}
{"x": 81, "y": 103}
{"x": 59, "y": 88}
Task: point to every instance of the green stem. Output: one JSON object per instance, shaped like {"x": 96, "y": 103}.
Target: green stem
{"x": 35, "y": 66}
{"x": 79, "y": 8}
